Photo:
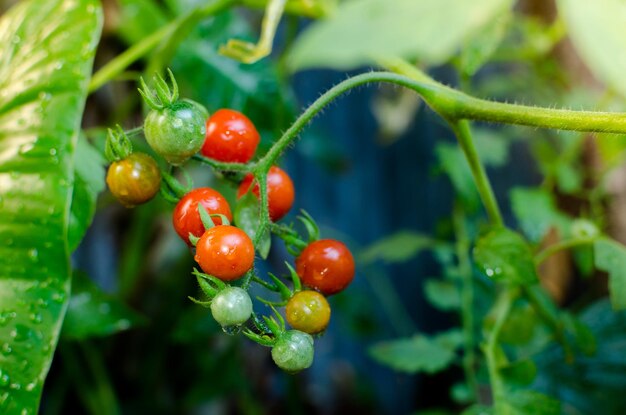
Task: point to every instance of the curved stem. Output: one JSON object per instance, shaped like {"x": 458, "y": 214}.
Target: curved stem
{"x": 563, "y": 245}
{"x": 503, "y": 308}
{"x": 467, "y": 297}
{"x": 454, "y": 105}
{"x": 329, "y": 96}
{"x": 219, "y": 165}
{"x": 462, "y": 131}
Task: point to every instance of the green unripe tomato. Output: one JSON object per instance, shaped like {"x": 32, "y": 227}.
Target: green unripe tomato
{"x": 176, "y": 131}
{"x": 231, "y": 307}
{"x": 293, "y": 351}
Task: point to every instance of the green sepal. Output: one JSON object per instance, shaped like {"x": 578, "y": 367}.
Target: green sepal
{"x": 265, "y": 284}
{"x": 273, "y": 325}
{"x": 272, "y": 303}
{"x": 259, "y": 324}
{"x": 311, "y": 226}
{"x": 117, "y": 146}
{"x": 205, "y": 217}
{"x": 170, "y": 185}
{"x": 224, "y": 219}
{"x": 193, "y": 239}
{"x": 206, "y": 304}
{"x": 283, "y": 290}
{"x": 162, "y": 96}
{"x": 295, "y": 278}
{"x": 147, "y": 95}
{"x": 263, "y": 340}
{"x": 209, "y": 284}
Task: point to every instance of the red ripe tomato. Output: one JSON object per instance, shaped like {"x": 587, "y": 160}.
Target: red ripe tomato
{"x": 326, "y": 265}
{"x": 230, "y": 137}
{"x": 225, "y": 252}
{"x": 186, "y": 217}
{"x": 280, "y": 191}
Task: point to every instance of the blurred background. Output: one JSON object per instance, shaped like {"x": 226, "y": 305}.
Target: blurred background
{"x": 377, "y": 170}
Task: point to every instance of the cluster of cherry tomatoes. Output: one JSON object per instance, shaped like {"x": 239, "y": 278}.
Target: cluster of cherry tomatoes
{"x": 177, "y": 129}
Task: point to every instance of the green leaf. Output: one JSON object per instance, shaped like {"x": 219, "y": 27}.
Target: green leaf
{"x": 611, "y": 149}
{"x": 492, "y": 150}
{"x": 138, "y": 19}
{"x": 581, "y": 333}
{"x": 503, "y": 255}
{"x": 478, "y": 410}
{"x": 529, "y": 402}
{"x": 419, "y": 353}
{"x": 569, "y": 178}
{"x": 479, "y": 49}
{"x": 88, "y": 183}
{"x": 444, "y": 295}
{"x": 521, "y": 373}
{"x": 246, "y": 217}
{"x": 610, "y": 256}
{"x": 536, "y": 212}
{"x": 597, "y": 31}
{"x": 454, "y": 164}
{"x": 430, "y": 31}
{"x": 520, "y": 326}
{"x": 94, "y": 313}
{"x": 221, "y": 82}
{"x": 399, "y": 247}
{"x": 46, "y": 50}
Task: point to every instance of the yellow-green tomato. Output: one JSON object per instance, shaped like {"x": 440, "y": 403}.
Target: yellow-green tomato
{"x": 134, "y": 180}
{"x": 308, "y": 311}
{"x": 177, "y": 131}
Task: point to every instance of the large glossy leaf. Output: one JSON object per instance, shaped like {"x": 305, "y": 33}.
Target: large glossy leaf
{"x": 431, "y": 31}
{"x": 46, "y": 52}
{"x": 599, "y": 35}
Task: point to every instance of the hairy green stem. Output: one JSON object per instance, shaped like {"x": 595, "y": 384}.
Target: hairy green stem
{"x": 549, "y": 312}
{"x": 464, "y": 136}
{"x": 454, "y": 105}
{"x": 503, "y": 307}
{"x": 222, "y": 166}
{"x": 467, "y": 298}
{"x": 560, "y": 246}
{"x": 116, "y": 66}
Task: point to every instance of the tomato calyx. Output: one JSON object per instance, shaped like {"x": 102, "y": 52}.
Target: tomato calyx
{"x": 278, "y": 286}
{"x": 162, "y": 96}
{"x": 173, "y": 190}
{"x": 207, "y": 222}
{"x": 117, "y": 146}
{"x": 270, "y": 329}
{"x": 294, "y": 242}
{"x": 209, "y": 285}
{"x": 230, "y": 306}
